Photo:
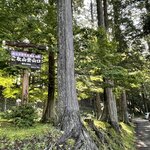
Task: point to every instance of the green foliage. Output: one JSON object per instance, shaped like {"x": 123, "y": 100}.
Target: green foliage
{"x": 7, "y": 84}
{"x": 35, "y": 21}
{"x": 112, "y": 140}
{"x": 96, "y": 58}
{"x": 37, "y": 137}
{"x": 128, "y": 136}
{"x": 4, "y": 57}
{"x": 22, "y": 116}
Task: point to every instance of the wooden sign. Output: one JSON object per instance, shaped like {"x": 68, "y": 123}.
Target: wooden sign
{"x": 30, "y": 60}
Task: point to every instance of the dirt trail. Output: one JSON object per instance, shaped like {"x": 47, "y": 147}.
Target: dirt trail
{"x": 143, "y": 134}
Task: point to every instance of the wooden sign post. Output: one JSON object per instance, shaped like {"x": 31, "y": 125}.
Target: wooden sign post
{"x": 25, "y": 87}
{"x": 28, "y": 59}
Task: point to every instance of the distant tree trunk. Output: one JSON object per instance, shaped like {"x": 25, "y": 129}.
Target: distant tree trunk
{"x": 105, "y": 115}
{"x": 110, "y": 101}
{"x": 68, "y": 108}
{"x": 92, "y": 16}
{"x": 144, "y": 98}
{"x": 106, "y": 14}
{"x": 118, "y": 36}
{"x": 98, "y": 109}
{"x": 145, "y": 103}
{"x": 49, "y": 110}
{"x": 100, "y": 13}
{"x": 147, "y": 6}
{"x": 124, "y": 107}
{"x": 101, "y": 24}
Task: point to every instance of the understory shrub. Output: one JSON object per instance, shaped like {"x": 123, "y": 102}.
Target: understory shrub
{"x": 22, "y": 116}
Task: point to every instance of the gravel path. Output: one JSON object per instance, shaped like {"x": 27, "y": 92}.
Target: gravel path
{"x": 143, "y": 134}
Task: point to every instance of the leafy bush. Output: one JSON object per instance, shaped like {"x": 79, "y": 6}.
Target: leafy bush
{"x": 22, "y": 116}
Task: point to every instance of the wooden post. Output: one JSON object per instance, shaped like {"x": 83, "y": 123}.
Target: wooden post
{"x": 25, "y": 87}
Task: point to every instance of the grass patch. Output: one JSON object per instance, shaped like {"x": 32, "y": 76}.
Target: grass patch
{"x": 102, "y": 125}
{"x": 128, "y": 136}
{"x": 14, "y": 133}
{"x": 37, "y": 137}
{"x": 41, "y": 135}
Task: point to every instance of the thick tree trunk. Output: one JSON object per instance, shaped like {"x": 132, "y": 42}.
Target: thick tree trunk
{"x": 112, "y": 109}
{"x": 124, "y": 109}
{"x": 49, "y": 110}
{"x": 68, "y": 107}
{"x": 66, "y": 78}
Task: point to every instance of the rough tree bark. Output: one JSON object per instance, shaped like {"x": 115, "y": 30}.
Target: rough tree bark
{"x": 124, "y": 109}
{"x": 112, "y": 109}
{"x": 110, "y": 101}
{"x": 49, "y": 110}
{"x": 68, "y": 108}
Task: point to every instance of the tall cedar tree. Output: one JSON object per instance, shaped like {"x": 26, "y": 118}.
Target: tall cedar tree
{"x": 117, "y": 5}
{"x": 110, "y": 99}
{"x": 68, "y": 107}
{"x": 49, "y": 110}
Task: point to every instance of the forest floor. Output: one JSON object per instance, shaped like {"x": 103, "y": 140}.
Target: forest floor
{"x": 142, "y": 134}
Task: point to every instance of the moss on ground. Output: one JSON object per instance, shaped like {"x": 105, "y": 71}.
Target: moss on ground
{"x": 14, "y": 133}
{"x": 37, "y": 137}
{"x": 42, "y": 135}
{"x": 117, "y": 141}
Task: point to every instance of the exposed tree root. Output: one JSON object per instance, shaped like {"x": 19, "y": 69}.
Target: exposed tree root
{"x": 74, "y": 129}
{"x": 115, "y": 126}
{"x": 98, "y": 133}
